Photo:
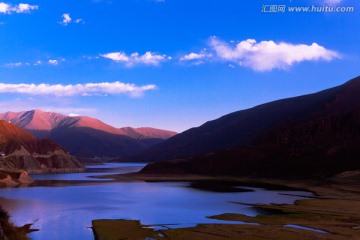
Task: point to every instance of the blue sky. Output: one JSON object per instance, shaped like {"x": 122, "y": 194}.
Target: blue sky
{"x": 171, "y": 64}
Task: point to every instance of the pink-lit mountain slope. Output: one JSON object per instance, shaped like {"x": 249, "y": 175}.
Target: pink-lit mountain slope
{"x": 85, "y": 136}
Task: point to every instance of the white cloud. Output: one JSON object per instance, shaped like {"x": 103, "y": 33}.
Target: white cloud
{"x": 87, "y": 89}
{"x": 268, "y": 55}
{"x": 73, "y": 115}
{"x": 4, "y": 8}
{"x": 149, "y": 58}
{"x": 25, "y": 8}
{"x": 116, "y": 56}
{"x": 196, "y": 56}
{"x": 36, "y": 63}
{"x": 53, "y": 62}
{"x": 66, "y": 19}
{"x": 7, "y": 8}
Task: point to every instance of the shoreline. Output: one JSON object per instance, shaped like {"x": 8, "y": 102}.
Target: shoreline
{"x": 275, "y": 184}
{"x": 329, "y": 215}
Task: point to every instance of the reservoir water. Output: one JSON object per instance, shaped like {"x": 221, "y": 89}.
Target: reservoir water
{"x": 62, "y": 206}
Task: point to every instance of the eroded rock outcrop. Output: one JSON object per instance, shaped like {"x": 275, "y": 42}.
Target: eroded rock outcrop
{"x": 23, "y": 151}
{"x": 13, "y": 178}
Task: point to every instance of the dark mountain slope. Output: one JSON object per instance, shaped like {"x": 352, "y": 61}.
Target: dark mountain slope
{"x": 320, "y": 142}
{"x": 317, "y": 148}
{"x": 89, "y": 142}
{"x": 243, "y": 127}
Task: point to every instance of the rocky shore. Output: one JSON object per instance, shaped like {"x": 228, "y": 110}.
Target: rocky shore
{"x": 13, "y": 178}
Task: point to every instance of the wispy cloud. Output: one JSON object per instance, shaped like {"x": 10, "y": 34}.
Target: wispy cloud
{"x": 7, "y": 8}
{"x": 87, "y": 89}
{"x": 149, "y": 58}
{"x": 79, "y": 20}
{"x": 196, "y": 56}
{"x": 17, "y": 64}
{"x": 53, "y": 62}
{"x": 269, "y": 55}
{"x": 66, "y": 19}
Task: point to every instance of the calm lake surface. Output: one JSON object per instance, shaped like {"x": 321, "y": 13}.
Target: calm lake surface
{"x": 63, "y": 205}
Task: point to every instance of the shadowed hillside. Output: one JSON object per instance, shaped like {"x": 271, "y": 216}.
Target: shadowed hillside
{"x": 243, "y": 127}
{"x": 311, "y": 135}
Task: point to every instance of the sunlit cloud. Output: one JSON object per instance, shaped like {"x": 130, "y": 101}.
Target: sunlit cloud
{"x": 7, "y": 8}
{"x": 87, "y": 89}
{"x": 269, "y": 55}
{"x": 149, "y": 58}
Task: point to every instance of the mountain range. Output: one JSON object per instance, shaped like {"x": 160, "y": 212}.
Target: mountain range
{"x": 315, "y": 134}
{"x": 85, "y": 136}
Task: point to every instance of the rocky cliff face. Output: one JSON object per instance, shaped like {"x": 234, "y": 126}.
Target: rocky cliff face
{"x": 13, "y": 178}
{"x": 23, "y": 151}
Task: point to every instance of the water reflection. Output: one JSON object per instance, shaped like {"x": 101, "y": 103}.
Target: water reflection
{"x": 66, "y": 212}
{"x": 91, "y": 171}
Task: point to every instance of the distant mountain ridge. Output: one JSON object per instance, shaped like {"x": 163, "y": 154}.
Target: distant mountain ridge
{"x": 86, "y": 136}
{"x": 38, "y": 121}
{"x": 310, "y": 135}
